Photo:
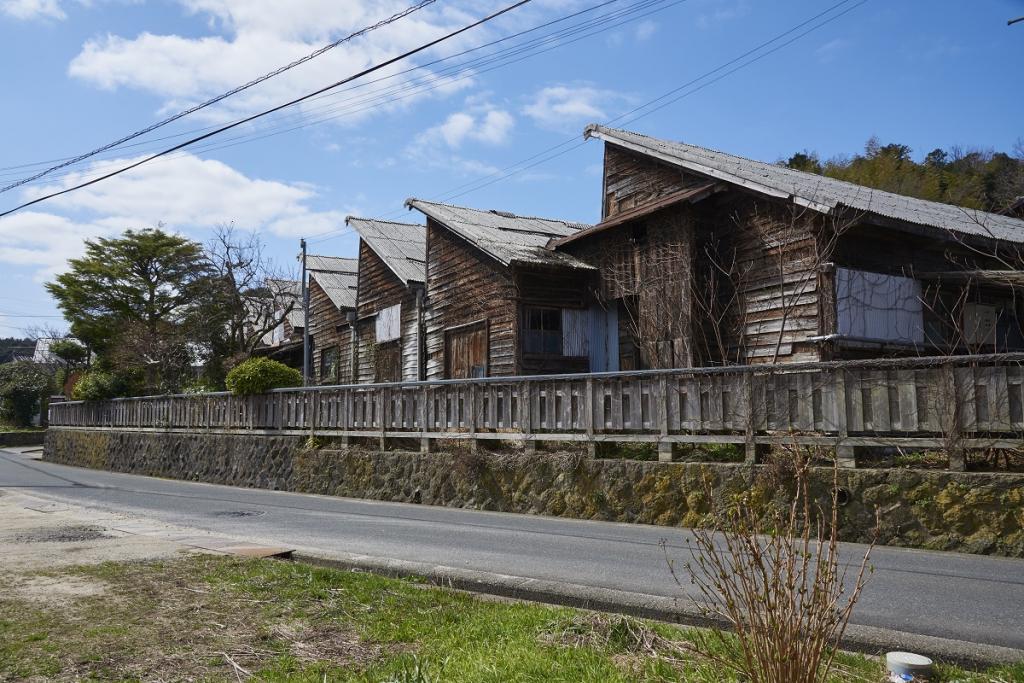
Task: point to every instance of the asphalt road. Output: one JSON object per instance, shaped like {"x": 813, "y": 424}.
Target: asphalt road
{"x": 962, "y": 597}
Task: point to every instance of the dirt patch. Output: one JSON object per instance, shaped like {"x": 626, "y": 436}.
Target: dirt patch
{"x": 60, "y": 591}
{"x": 66, "y": 534}
{"x": 320, "y": 643}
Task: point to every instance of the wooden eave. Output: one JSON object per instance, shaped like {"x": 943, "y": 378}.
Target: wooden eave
{"x": 690, "y": 195}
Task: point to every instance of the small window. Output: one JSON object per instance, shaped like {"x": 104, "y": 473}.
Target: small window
{"x": 329, "y": 365}
{"x": 543, "y": 333}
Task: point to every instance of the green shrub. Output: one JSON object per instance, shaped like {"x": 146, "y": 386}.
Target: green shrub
{"x": 98, "y": 385}
{"x": 258, "y": 375}
{"x": 23, "y": 385}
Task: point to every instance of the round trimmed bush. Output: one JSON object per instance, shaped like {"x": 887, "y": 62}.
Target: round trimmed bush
{"x": 258, "y": 375}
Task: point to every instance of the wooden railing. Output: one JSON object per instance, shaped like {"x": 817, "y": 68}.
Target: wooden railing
{"x": 942, "y": 402}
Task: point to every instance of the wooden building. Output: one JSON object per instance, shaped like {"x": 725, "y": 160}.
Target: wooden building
{"x": 499, "y": 302}
{"x": 708, "y": 258}
{"x": 389, "y": 301}
{"x": 283, "y": 342}
{"x": 332, "y": 305}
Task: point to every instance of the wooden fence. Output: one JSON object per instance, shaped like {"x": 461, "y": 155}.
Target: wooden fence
{"x": 950, "y": 403}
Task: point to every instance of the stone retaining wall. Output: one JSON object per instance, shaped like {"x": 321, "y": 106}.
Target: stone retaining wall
{"x": 968, "y": 512}
{"x": 34, "y": 438}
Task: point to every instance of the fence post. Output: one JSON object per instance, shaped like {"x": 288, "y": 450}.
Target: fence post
{"x": 588, "y": 417}
{"x": 382, "y": 409}
{"x": 526, "y": 400}
{"x": 314, "y": 418}
{"x": 661, "y": 400}
{"x": 952, "y": 397}
{"x": 424, "y": 415}
{"x": 845, "y": 454}
{"x": 474, "y": 444}
{"x": 750, "y": 445}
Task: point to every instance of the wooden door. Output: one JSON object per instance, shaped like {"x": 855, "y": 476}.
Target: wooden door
{"x": 388, "y": 362}
{"x": 465, "y": 352}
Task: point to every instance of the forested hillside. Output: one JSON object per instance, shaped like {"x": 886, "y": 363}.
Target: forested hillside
{"x": 981, "y": 179}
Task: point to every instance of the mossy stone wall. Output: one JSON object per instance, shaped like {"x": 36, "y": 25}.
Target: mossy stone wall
{"x": 963, "y": 511}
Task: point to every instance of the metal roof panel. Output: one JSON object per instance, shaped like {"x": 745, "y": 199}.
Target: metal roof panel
{"x": 506, "y": 237}
{"x": 402, "y": 246}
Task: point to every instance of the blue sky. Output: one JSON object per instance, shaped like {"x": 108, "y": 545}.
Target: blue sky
{"x": 78, "y": 73}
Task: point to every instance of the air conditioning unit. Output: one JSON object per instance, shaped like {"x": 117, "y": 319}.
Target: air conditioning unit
{"x": 980, "y": 324}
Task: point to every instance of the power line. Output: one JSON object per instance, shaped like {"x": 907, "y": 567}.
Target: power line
{"x": 234, "y": 91}
{"x": 477, "y": 185}
{"x": 364, "y": 84}
{"x": 279, "y": 107}
{"x": 573, "y": 143}
{"x": 453, "y": 73}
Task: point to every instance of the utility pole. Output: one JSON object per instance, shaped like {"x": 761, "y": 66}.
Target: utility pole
{"x": 305, "y": 318}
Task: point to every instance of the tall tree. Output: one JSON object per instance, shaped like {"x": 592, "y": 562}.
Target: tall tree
{"x": 248, "y": 297}
{"x": 132, "y": 299}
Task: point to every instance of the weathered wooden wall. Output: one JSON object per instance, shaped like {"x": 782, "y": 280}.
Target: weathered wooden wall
{"x": 552, "y": 288}
{"x": 329, "y": 328}
{"x": 465, "y": 286}
{"x": 380, "y": 288}
{"x": 648, "y": 261}
{"x": 632, "y": 180}
{"x": 775, "y": 260}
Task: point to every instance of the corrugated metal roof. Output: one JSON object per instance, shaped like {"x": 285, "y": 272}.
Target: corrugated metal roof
{"x": 332, "y": 264}
{"x": 817, "y": 192}
{"x": 338, "y": 277}
{"x": 506, "y": 237}
{"x": 402, "y": 246}
{"x": 296, "y": 318}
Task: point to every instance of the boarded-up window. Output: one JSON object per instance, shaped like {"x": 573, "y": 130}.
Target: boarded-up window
{"x": 329, "y": 365}
{"x": 389, "y": 323}
{"x": 575, "y": 332}
{"x": 465, "y": 352}
{"x": 388, "y": 362}
{"x": 542, "y": 331}
{"x": 877, "y": 306}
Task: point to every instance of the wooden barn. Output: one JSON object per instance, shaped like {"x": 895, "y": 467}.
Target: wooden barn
{"x": 499, "y": 302}
{"x": 389, "y": 301}
{"x": 332, "y": 305}
{"x": 708, "y": 258}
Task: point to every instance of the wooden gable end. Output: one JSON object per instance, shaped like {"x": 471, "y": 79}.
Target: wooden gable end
{"x": 329, "y": 330}
{"x": 378, "y": 292}
{"x": 467, "y": 289}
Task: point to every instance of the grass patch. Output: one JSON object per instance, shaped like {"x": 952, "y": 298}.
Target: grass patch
{"x": 224, "y": 619}
{"x": 11, "y": 429}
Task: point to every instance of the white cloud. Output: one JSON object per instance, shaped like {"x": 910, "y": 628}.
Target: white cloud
{"x": 186, "y": 193}
{"x": 645, "y": 29}
{"x": 830, "y": 50}
{"x": 250, "y": 37}
{"x": 32, "y": 9}
{"x": 567, "y": 108}
{"x": 481, "y": 123}
{"x": 722, "y": 12}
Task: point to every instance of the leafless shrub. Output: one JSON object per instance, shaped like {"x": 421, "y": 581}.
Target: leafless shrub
{"x": 775, "y": 578}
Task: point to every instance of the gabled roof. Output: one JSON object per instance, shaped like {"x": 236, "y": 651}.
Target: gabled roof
{"x": 401, "y": 246}
{"x": 814, "y": 191}
{"x": 337, "y": 276}
{"x": 507, "y": 238}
